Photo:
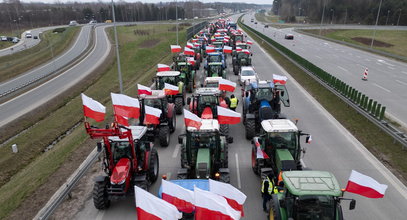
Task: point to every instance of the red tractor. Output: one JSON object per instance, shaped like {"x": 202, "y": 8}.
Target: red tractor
{"x": 129, "y": 159}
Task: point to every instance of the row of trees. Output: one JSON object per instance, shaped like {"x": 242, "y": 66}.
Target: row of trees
{"x": 392, "y": 12}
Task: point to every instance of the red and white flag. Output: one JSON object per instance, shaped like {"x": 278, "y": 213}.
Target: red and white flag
{"x": 175, "y": 48}
{"x": 227, "y": 116}
{"x": 238, "y": 49}
{"x": 177, "y": 195}
{"x": 233, "y": 196}
{"x": 143, "y": 90}
{"x": 192, "y": 120}
{"x": 225, "y": 41}
{"x": 365, "y": 186}
{"x": 152, "y": 115}
{"x": 189, "y": 52}
{"x": 210, "y": 206}
{"x": 226, "y": 37}
{"x": 163, "y": 67}
{"x": 170, "y": 89}
{"x": 227, "y": 49}
{"x": 150, "y": 207}
{"x": 197, "y": 44}
{"x": 191, "y": 60}
{"x": 249, "y": 42}
{"x": 93, "y": 109}
{"x": 278, "y": 79}
{"x": 260, "y": 154}
{"x": 194, "y": 40}
{"x": 189, "y": 45}
{"x": 125, "y": 106}
{"x": 227, "y": 85}
{"x": 122, "y": 120}
{"x": 246, "y": 51}
{"x": 210, "y": 49}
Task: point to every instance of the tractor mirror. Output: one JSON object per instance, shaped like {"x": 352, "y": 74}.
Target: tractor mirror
{"x": 251, "y": 54}
{"x": 282, "y": 93}
{"x": 230, "y": 140}
{"x": 181, "y": 138}
{"x": 352, "y": 204}
{"x": 188, "y": 100}
{"x": 308, "y": 139}
{"x": 99, "y": 146}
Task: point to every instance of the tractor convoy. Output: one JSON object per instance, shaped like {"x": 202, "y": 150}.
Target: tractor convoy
{"x": 130, "y": 157}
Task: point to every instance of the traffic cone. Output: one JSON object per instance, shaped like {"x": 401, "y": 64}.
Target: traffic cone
{"x": 365, "y": 75}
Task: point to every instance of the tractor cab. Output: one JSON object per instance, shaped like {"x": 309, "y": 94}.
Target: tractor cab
{"x": 187, "y": 74}
{"x": 212, "y": 82}
{"x": 215, "y": 58}
{"x": 205, "y": 101}
{"x": 215, "y": 69}
{"x": 308, "y": 195}
{"x": 242, "y": 46}
{"x": 242, "y": 58}
{"x": 175, "y": 78}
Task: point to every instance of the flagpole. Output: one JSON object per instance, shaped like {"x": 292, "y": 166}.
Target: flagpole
{"x": 119, "y": 71}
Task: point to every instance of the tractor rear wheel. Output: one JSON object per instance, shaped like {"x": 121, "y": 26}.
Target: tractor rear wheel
{"x": 226, "y": 161}
{"x": 178, "y": 105}
{"x": 274, "y": 213}
{"x": 153, "y": 166}
{"x": 173, "y": 124}
{"x": 164, "y": 136}
{"x": 100, "y": 196}
{"x": 183, "y": 156}
{"x": 250, "y": 129}
{"x": 224, "y": 129}
{"x": 255, "y": 164}
{"x": 235, "y": 70}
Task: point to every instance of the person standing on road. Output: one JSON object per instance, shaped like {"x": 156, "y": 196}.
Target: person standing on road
{"x": 233, "y": 102}
{"x": 267, "y": 189}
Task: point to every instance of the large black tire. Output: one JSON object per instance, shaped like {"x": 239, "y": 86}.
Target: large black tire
{"x": 143, "y": 184}
{"x": 255, "y": 164}
{"x": 173, "y": 124}
{"x": 250, "y": 129}
{"x": 164, "y": 136}
{"x": 235, "y": 70}
{"x": 274, "y": 213}
{"x": 153, "y": 166}
{"x": 178, "y": 105}
{"x": 100, "y": 196}
{"x": 226, "y": 162}
{"x": 183, "y": 154}
{"x": 224, "y": 129}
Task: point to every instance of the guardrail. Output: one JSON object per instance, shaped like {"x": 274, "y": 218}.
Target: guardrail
{"x": 371, "y": 109}
{"x": 195, "y": 29}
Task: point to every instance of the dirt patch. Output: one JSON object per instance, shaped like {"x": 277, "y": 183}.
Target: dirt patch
{"x": 368, "y": 41}
{"x": 149, "y": 43}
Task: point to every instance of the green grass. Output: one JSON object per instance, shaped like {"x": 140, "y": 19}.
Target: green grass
{"x": 371, "y": 136}
{"x": 5, "y": 44}
{"x": 20, "y": 62}
{"x": 396, "y": 38}
{"x": 22, "y": 173}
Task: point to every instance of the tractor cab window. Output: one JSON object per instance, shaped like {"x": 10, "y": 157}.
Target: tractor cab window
{"x": 155, "y": 103}
{"x": 239, "y": 38}
{"x": 183, "y": 68}
{"x": 167, "y": 79}
{"x": 120, "y": 149}
{"x": 208, "y": 100}
{"x": 216, "y": 68}
{"x": 264, "y": 94}
{"x": 242, "y": 55}
{"x": 215, "y": 59}
{"x": 314, "y": 207}
{"x": 243, "y": 47}
{"x": 284, "y": 140}
{"x": 204, "y": 140}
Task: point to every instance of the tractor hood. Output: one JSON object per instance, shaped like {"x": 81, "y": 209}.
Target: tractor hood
{"x": 283, "y": 156}
{"x": 120, "y": 171}
{"x": 203, "y": 167}
{"x": 207, "y": 113}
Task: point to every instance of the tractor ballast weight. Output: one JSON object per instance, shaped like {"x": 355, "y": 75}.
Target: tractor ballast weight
{"x": 175, "y": 78}
{"x": 129, "y": 159}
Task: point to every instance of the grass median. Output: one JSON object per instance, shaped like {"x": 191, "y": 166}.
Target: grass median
{"x": 51, "y": 45}
{"x": 383, "y": 146}
{"x": 139, "y": 56}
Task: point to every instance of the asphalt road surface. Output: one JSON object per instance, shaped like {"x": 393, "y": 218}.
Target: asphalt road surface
{"x": 387, "y": 81}
{"x": 333, "y": 149}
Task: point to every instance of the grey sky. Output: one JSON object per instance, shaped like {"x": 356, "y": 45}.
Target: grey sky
{"x": 155, "y": 1}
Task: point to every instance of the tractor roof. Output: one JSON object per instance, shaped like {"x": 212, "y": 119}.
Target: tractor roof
{"x": 207, "y": 91}
{"x": 215, "y": 63}
{"x": 154, "y": 95}
{"x": 208, "y": 125}
{"x": 302, "y": 183}
{"x": 213, "y": 79}
{"x": 278, "y": 125}
{"x": 214, "y": 54}
{"x": 241, "y": 44}
{"x": 168, "y": 73}
{"x": 137, "y": 132}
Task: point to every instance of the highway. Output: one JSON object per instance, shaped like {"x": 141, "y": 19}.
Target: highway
{"x": 333, "y": 149}
{"x": 387, "y": 77}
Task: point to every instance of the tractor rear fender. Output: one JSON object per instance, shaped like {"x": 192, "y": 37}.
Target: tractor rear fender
{"x": 100, "y": 179}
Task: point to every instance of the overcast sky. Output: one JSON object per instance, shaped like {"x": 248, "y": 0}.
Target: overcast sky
{"x": 155, "y": 1}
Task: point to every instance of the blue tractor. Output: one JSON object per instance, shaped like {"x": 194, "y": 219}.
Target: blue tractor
{"x": 215, "y": 57}
{"x": 262, "y": 101}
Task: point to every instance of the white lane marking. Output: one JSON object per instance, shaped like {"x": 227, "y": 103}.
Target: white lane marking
{"x": 389, "y": 176}
{"x": 100, "y": 215}
{"x": 375, "y": 84}
{"x": 318, "y": 57}
{"x": 176, "y": 150}
{"x": 303, "y": 163}
{"x": 383, "y": 61}
{"x": 378, "y": 63}
{"x": 239, "y": 184}
{"x": 392, "y": 68}
{"x": 302, "y": 49}
{"x": 404, "y": 72}
{"x": 343, "y": 69}
{"x": 404, "y": 83}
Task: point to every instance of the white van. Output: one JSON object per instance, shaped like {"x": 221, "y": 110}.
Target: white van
{"x": 73, "y": 23}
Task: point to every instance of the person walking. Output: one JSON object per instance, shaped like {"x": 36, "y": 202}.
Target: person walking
{"x": 233, "y": 102}
{"x": 267, "y": 189}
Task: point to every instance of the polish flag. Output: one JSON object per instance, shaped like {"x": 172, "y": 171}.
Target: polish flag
{"x": 260, "y": 154}
{"x": 238, "y": 49}
{"x": 194, "y": 40}
{"x": 233, "y": 196}
{"x": 249, "y": 42}
{"x": 210, "y": 49}
{"x": 189, "y": 52}
{"x": 151, "y": 207}
{"x": 227, "y": 37}
{"x": 227, "y": 85}
{"x": 175, "y": 48}
{"x": 189, "y": 45}
{"x": 177, "y": 195}
{"x": 170, "y": 89}
{"x": 246, "y": 51}
{"x": 192, "y": 120}
{"x": 225, "y": 41}
{"x": 210, "y": 206}
{"x": 144, "y": 90}
{"x": 227, "y": 116}
{"x": 197, "y": 44}
{"x": 93, "y": 109}
{"x": 191, "y": 60}
{"x": 365, "y": 186}
{"x": 122, "y": 120}
{"x": 162, "y": 67}
{"x": 227, "y": 49}
{"x": 152, "y": 115}
{"x": 278, "y": 79}
{"x": 125, "y": 106}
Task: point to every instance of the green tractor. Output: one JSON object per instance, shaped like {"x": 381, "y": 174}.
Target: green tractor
{"x": 174, "y": 78}
{"x": 242, "y": 58}
{"x": 308, "y": 195}
{"x": 215, "y": 69}
{"x": 187, "y": 74}
{"x": 204, "y": 152}
{"x": 280, "y": 140}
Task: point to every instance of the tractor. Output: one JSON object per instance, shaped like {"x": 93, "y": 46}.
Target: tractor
{"x": 204, "y": 152}
{"x": 167, "y": 118}
{"x": 242, "y": 58}
{"x": 129, "y": 159}
{"x": 242, "y": 46}
{"x": 211, "y": 82}
{"x": 280, "y": 141}
{"x": 177, "y": 79}
{"x": 308, "y": 195}
{"x": 215, "y": 69}
{"x": 187, "y": 74}
{"x": 204, "y": 104}
{"x": 262, "y": 102}
{"x": 215, "y": 57}
{"x": 236, "y": 37}
{"x": 182, "y": 59}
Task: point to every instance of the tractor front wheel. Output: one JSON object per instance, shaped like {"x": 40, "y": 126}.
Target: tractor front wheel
{"x": 164, "y": 136}
{"x": 274, "y": 213}
{"x": 250, "y": 129}
{"x": 224, "y": 129}
{"x": 100, "y": 196}
{"x": 178, "y": 105}
{"x": 153, "y": 166}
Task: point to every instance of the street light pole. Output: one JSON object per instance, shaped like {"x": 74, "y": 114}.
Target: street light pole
{"x": 346, "y": 15}
{"x": 119, "y": 71}
{"x": 322, "y": 19}
{"x": 333, "y": 13}
{"x": 387, "y": 18}
{"x": 377, "y": 20}
{"x": 398, "y": 20}
{"x": 176, "y": 18}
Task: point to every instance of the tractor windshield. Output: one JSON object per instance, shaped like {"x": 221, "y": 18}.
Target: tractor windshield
{"x": 314, "y": 207}
{"x": 120, "y": 149}
{"x": 284, "y": 140}
{"x": 208, "y": 100}
{"x": 264, "y": 94}
{"x": 239, "y": 38}
{"x": 215, "y": 59}
{"x": 212, "y": 85}
{"x": 242, "y": 55}
{"x": 216, "y": 69}
{"x": 204, "y": 140}
{"x": 167, "y": 79}
{"x": 155, "y": 103}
